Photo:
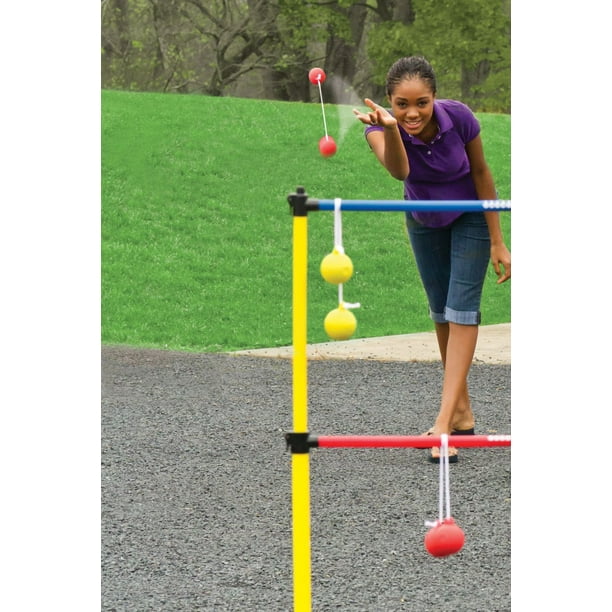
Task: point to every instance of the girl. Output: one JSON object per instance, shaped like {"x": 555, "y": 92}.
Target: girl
{"x": 434, "y": 147}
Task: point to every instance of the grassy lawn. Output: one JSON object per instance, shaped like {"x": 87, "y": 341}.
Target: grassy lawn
{"x": 197, "y": 231}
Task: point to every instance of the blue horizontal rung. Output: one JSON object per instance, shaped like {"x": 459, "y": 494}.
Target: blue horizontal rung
{"x": 411, "y": 205}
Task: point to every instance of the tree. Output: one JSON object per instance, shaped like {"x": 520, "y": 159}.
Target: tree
{"x": 143, "y": 46}
{"x": 467, "y": 41}
{"x": 185, "y": 45}
{"x": 264, "y": 48}
{"x": 239, "y": 34}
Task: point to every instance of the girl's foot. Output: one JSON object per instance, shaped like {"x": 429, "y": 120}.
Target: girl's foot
{"x": 434, "y": 456}
{"x": 463, "y": 421}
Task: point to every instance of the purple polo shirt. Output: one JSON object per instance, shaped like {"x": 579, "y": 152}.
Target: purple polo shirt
{"x": 440, "y": 170}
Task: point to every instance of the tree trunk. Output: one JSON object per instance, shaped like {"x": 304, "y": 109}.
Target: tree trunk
{"x": 472, "y": 77}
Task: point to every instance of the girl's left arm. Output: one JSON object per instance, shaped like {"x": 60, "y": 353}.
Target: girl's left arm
{"x": 485, "y": 188}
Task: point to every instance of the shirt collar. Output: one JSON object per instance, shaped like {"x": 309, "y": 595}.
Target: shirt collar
{"x": 445, "y": 123}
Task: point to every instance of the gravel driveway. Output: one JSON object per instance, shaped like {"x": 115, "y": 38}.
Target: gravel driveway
{"x": 196, "y": 508}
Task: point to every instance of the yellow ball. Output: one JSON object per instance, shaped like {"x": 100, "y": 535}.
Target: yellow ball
{"x": 336, "y": 268}
{"x": 340, "y": 324}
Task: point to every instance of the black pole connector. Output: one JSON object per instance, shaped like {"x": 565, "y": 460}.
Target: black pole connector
{"x": 300, "y": 442}
{"x": 301, "y": 203}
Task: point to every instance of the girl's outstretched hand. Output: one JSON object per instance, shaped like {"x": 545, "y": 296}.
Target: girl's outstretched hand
{"x": 377, "y": 116}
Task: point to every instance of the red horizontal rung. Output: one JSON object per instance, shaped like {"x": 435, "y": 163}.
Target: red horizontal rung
{"x": 409, "y": 441}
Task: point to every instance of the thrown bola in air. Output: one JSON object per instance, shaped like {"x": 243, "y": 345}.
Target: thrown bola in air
{"x": 327, "y": 145}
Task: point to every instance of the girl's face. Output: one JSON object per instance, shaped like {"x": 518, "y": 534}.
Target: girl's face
{"x": 412, "y": 102}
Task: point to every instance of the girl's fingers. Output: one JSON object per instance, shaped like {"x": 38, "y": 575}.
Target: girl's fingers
{"x": 368, "y": 118}
{"x": 377, "y": 115}
{"x": 370, "y": 103}
{"x": 375, "y": 107}
{"x": 361, "y": 116}
{"x": 503, "y": 272}
{"x": 506, "y": 275}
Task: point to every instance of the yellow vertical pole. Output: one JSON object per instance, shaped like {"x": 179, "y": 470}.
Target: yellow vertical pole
{"x": 300, "y": 465}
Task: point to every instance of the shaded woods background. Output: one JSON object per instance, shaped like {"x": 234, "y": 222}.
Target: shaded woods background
{"x": 263, "y": 48}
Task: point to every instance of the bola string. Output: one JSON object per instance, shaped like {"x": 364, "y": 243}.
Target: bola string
{"x": 444, "y": 484}
{"x": 446, "y": 475}
{"x": 337, "y": 226}
{"x": 339, "y": 247}
{"x": 322, "y": 107}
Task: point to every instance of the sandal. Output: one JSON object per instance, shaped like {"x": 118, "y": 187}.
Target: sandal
{"x": 452, "y": 452}
{"x": 453, "y": 456}
{"x": 454, "y": 432}
{"x": 462, "y": 432}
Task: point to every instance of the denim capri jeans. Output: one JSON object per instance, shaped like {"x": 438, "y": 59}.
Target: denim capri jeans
{"x": 452, "y": 262}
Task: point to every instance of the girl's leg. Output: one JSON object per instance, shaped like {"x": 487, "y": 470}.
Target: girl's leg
{"x": 462, "y": 417}
{"x": 452, "y": 263}
{"x": 458, "y": 343}
{"x": 470, "y": 253}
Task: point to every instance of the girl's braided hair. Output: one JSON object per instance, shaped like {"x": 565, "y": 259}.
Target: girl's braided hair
{"x": 413, "y": 67}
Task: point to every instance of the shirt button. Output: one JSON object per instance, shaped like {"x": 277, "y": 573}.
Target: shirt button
{"x": 428, "y": 152}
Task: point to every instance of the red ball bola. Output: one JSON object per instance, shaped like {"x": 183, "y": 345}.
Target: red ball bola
{"x": 316, "y": 75}
{"x": 327, "y": 146}
{"x": 444, "y": 539}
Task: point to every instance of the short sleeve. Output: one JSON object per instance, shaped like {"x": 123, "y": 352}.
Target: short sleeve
{"x": 464, "y": 120}
{"x": 372, "y": 128}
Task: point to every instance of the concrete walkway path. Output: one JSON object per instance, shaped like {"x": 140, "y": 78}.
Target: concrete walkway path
{"x": 493, "y": 347}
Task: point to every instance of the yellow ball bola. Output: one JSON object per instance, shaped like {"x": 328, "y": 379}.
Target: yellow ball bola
{"x": 340, "y": 323}
{"x": 336, "y": 268}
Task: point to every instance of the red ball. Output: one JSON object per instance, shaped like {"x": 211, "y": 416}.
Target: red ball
{"x": 444, "y": 539}
{"x": 316, "y": 75}
{"x": 327, "y": 146}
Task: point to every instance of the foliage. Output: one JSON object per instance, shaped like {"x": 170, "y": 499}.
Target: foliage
{"x": 262, "y": 48}
{"x": 467, "y": 41}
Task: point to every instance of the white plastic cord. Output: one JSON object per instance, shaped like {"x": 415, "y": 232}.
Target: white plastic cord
{"x": 444, "y": 484}
{"x": 322, "y": 107}
{"x": 444, "y": 460}
{"x": 340, "y": 248}
{"x": 338, "y": 226}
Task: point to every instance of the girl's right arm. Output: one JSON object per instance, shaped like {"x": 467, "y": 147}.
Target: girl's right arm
{"x": 387, "y": 145}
